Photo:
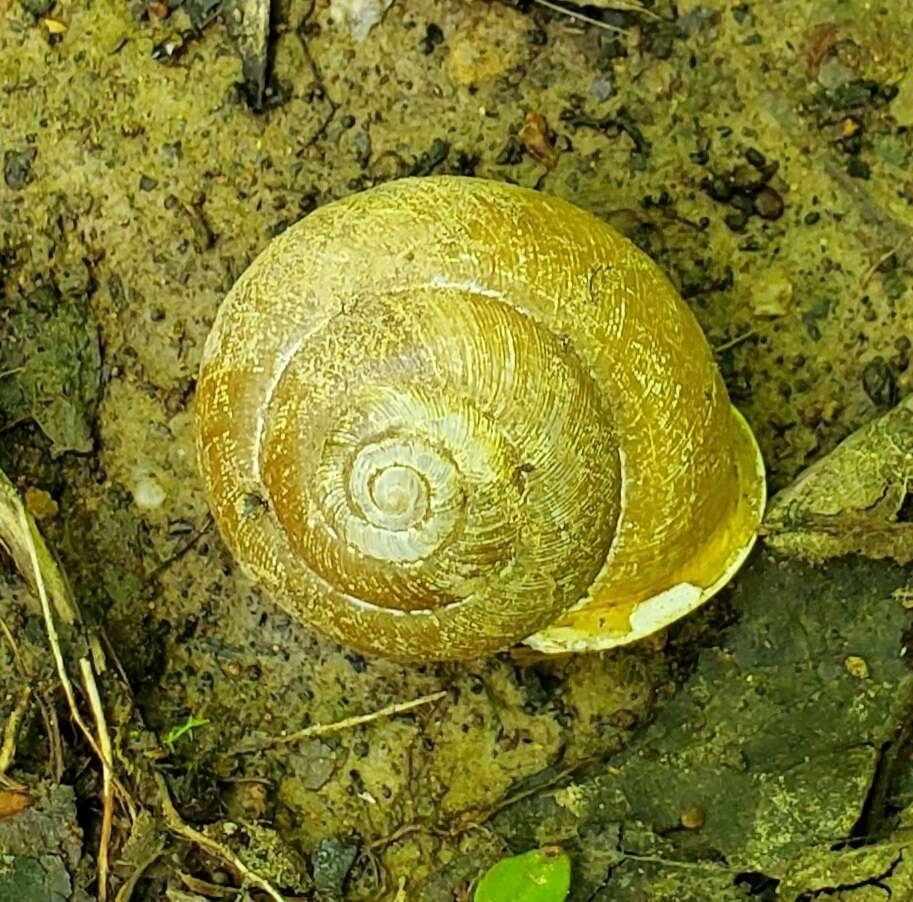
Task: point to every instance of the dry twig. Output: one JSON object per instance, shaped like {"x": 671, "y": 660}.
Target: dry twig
{"x": 10, "y": 731}
{"x": 581, "y": 17}
{"x": 744, "y": 336}
{"x": 882, "y": 259}
{"x": 48, "y": 714}
{"x": 177, "y": 825}
{"x": 347, "y": 724}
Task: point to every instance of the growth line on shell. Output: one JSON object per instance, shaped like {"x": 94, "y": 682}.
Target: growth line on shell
{"x": 284, "y": 358}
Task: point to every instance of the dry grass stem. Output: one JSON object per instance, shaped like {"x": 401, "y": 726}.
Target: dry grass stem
{"x": 870, "y": 272}
{"x": 744, "y": 336}
{"x": 580, "y": 17}
{"x": 104, "y": 741}
{"x": 347, "y": 724}
{"x": 63, "y": 676}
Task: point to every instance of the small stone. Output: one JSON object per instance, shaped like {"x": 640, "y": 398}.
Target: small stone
{"x": 146, "y": 183}
{"x": 718, "y": 187}
{"x": 692, "y": 818}
{"x": 745, "y": 178}
{"x": 332, "y": 859}
{"x": 772, "y": 293}
{"x": 601, "y": 88}
{"x": 880, "y": 383}
{"x": 857, "y": 667}
{"x": 858, "y": 169}
{"x": 358, "y": 16}
{"x": 743, "y": 202}
{"x": 905, "y": 596}
{"x": 736, "y": 220}
{"x": 756, "y": 158}
{"x": 488, "y": 43}
{"x": 17, "y": 167}
{"x": 832, "y": 73}
{"x": 768, "y": 204}
{"x": 361, "y": 144}
{"x": 148, "y": 494}
{"x": 433, "y": 37}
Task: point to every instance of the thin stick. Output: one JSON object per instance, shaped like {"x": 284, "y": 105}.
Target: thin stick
{"x": 582, "y": 17}
{"x": 176, "y": 825}
{"x": 726, "y": 345}
{"x": 104, "y": 740}
{"x": 14, "y": 648}
{"x": 882, "y": 259}
{"x": 48, "y": 715}
{"x": 347, "y": 724}
{"x": 10, "y": 731}
{"x": 744, "y": 336}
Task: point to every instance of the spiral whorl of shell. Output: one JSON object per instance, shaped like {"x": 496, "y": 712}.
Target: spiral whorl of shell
{"x": 431, "y": 416}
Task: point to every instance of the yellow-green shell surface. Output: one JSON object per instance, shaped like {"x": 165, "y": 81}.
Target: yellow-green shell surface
{"x": 445, "y": 414}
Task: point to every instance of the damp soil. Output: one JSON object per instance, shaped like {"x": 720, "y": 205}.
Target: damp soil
{"x": 762, "y": 153}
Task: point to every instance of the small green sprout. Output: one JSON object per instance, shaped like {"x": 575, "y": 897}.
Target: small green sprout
{"x": 542, "y": 875}
{"x": 176, "y": 732}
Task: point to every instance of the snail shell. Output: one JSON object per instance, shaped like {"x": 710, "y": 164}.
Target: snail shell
{"x": 446, "y": 414}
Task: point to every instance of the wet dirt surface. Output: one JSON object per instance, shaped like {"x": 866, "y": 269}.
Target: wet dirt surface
{"x": 761, "y": 153}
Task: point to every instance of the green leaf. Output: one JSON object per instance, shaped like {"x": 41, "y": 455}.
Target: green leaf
{"x": 186, "y": 728}
{"x": 542, "y": 875}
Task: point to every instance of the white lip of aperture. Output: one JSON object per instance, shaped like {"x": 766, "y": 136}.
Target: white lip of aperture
{"x": 666, "y": 607}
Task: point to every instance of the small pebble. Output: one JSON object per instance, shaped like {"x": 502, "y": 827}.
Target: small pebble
{"x": 772, "y": 293}
{"x": 756, "y": 158}
{"x": 768, "y": 204}
{"x": 745, "y": 178}
{"x": 148, "y": 494}
{"x": 736, "y": 220}
{"x": 433, "y": 37}
{"x": 718, "y": 188}
{"x": 858, "y": 169}
{"x": 744, "y": 203}
{"x": 880, "y": 383}
{"x": 601, "y": 88}
{"x": 146, "y": 183}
